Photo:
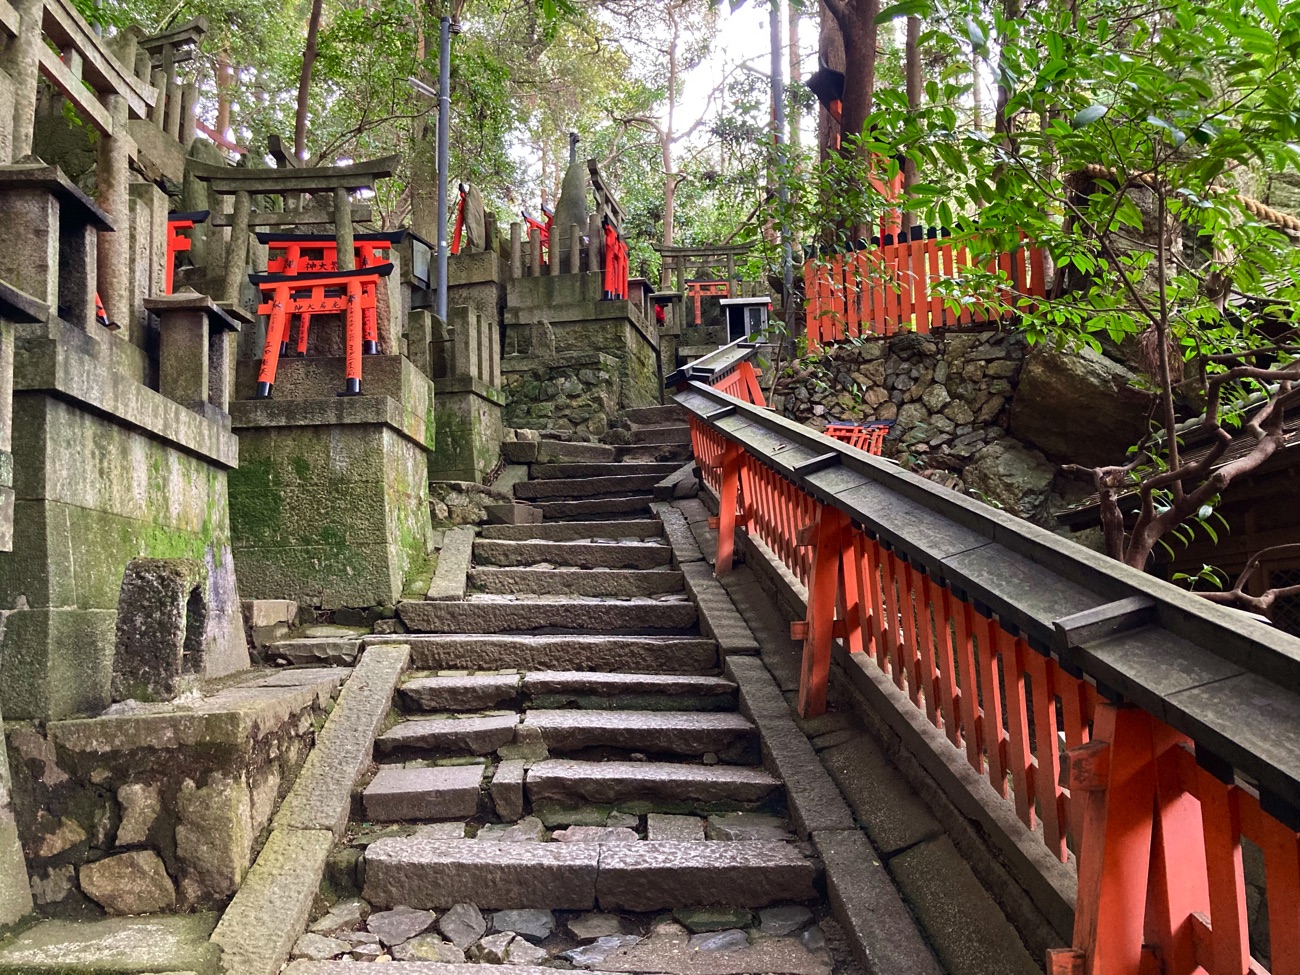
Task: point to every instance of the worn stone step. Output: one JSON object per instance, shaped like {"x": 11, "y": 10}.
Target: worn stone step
{"x": 473, "y": 734}
{"x": 428, "y": 874}
{"x": 442, "y": 792}
{"x": 482, "y": 615}
{"x": 562, "y": 452}
{"x": 664, "y": 785}
{"x": 656, "y": 415}
{"x": 595, "y": 507}
{"x": 478, "y": 692}
{"x": 638, "y": 692}
{"x": 675, "y": 433}
{"x": 667, "y": 732}
{"x": 570, "y": 488}
{"x": 328, "y": 651}
{"x": 580, "y": 651}
{"x": 624, "y": 583}
{"x": 568, "y": 531}
{"x": 625, "y": 554}
{"x": 655, "y": 453}
{"x": 304, "y": 967}
{"x": 551, "y": 471}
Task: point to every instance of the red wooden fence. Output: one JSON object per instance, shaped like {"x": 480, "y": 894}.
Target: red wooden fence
{"x": 1153, "y": 817}
{"x": 891, "y": 288}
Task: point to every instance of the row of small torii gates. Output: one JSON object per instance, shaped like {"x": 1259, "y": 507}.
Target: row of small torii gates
{"x": 1124, "y": 735}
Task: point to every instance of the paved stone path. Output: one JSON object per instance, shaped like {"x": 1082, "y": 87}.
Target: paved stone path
{"x": 569, "y": 781}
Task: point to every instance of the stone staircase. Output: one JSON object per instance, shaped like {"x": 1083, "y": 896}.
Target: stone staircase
{"x": 568, "y": 781}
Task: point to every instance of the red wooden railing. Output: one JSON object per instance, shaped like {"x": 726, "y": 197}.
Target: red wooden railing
{"x": 891, "y": 288}
{"x": 1178, "y": 721}
{"x": 869, "y": 437}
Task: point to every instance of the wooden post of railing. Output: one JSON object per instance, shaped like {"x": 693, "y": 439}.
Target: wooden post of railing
{"x": 817, "y": 630}
{"x": 728, "y": 501}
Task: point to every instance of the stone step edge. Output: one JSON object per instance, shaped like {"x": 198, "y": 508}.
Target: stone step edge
{"x": 304, "y": 967}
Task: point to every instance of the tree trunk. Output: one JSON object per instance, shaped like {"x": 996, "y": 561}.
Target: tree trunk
{"x": 912, "y": 69}
{"x": 225, "y": 82}
{"x": 857, "y": 20}
{"x": 830, "y": 47}
{"x": 667, "y": 135}
{"x": 304, "y": 81}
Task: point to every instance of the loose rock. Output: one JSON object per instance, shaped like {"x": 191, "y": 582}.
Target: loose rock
{"x": 588, "y": 927}
{"x": 781, "y": 921}
{"x": 462, "y": 925}
{"x": 492, "y": 949}
{"x": 699, "y": 920}
{"x": 129, "y": 883}
{"x": 400, "y": 924}
{"x": 595, "y": 834}
{"x": 534, "y": 924}
{"x": 429, "y": 947}
{"x": 589, "y": 956}
{"x": 315, "y": 947}
{"x": 719, "y": 941}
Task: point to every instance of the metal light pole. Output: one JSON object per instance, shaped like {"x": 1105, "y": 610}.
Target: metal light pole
{"x": 778, "y": 133}
{"x": 444, "y": 124}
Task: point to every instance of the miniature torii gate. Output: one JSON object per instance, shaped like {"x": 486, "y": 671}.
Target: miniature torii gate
{"x": 244, "y": 184}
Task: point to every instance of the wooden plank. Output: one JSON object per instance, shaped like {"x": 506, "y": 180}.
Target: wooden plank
{"x": 83, "y": 99}
{"x": 307, "y": 218}
{"x": 318, "y": 179}
{"x": 64, "y": 26}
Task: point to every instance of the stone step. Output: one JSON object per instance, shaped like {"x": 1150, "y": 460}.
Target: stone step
{"x": 304, "y": 967}
{"x": 570, "y": 488}
{"x": 428, "y": 874}
{"x": 486, "y": 615}
{"x": 569, "y": 531}
{"x": 462, "y": 734}
{"x": 667, "y": 785}
{"x": 552, "y": 471}
{"x": 326, "y": 651}
{"x": 577, "y": 582}
{"x": 595, "y": 507}
{"x": 563, "y": 452}
{"x": 443, "y": 792}
{"x": 656, "y": 415}
{"x": 661, "y": 732}
{"x": 674, "y": 433}
{"x": 625, "y": 554}
{"x": 639, "y": 692}
{"x": 588, "y": 652}
{"x": 655, "y": 453}
{"x": 478, "y": 692}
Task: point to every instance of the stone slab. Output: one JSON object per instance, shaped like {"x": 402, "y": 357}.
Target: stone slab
{"x": 308, "y": 651}
{"x": 578, "y": 470}
{"x": 413, "y": 968}
{"x": 321, "y": 795}
{"x": 675, "y": 732}
{"x": 634, "y": 505}
{"x": 618, "y": 688}
{"x": 677, "y": 829}
{"x": 449, "y": 578}
{"x": 519, "y": 451}
{"x": 573, "y": 530}
{"x": 559, "y": 452}
{"x": 678, "y": 532}
{"x": 883, "y": 934}
{"x": 652, "y": 876}
{"x": 170, "y": 943}
{"x": 477, "y": 735}
{"x": 774, "y": 956}
{"x": 615, "y": 583}
{"x": 674, "y": 433}
{"x": 441, "y": 792}
{"x": 271, "y": 907}
{"x": 500, "y": 616}
{"x": 815, "y": 802}
{"x": 580, "y": 783}
{"x": 478, "y": 692}
{"x": 585, "y": 487}
{"x": 626, "y": 554}
{"x": 719, "y": 617}
{"x": 431, "y": 874}
{"x": 508, "y": 789}
{"x": 894, "y": 816}
{"x": 636, "y": 654}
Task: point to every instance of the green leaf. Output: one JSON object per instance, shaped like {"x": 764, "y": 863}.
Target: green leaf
{"x": 905, "y": 8}
{"x": 976, "y": 34}
{"x": 1089, "y": 115}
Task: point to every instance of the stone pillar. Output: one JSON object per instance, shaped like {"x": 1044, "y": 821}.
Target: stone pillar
{"x": 113, "y": 178}
{"x": 30, "y": 259}
{"x": 148, "y": 254}
{"x": 6, "y": 445}
{"x": 418, "y": 333}
{"x": 6, "y": 117}
{"x": 21, "y": 60}
{"x": 196, "y": 357}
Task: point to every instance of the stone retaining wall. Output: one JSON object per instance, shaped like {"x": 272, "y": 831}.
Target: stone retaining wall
{"x": 155, "y": 808}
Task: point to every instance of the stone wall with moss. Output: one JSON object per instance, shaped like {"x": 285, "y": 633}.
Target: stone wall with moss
{"x": 106, "y": 471}
{"x": 163, "y": 807}
{"x": 979, "y": 411}
{"x": 330, "y": 506}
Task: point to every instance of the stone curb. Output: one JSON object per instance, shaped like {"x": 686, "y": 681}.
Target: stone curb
{"x": 449, "y": 579}
{"x": 271, "y": 907}
{"x": 719, "y": 617}
{"x": 321, "y": 797}
{"x": 884, "y": 935}
{"x": 678, "y": 533}
{"x": 666, "y": 489}
{"x": 270, "y": 910}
